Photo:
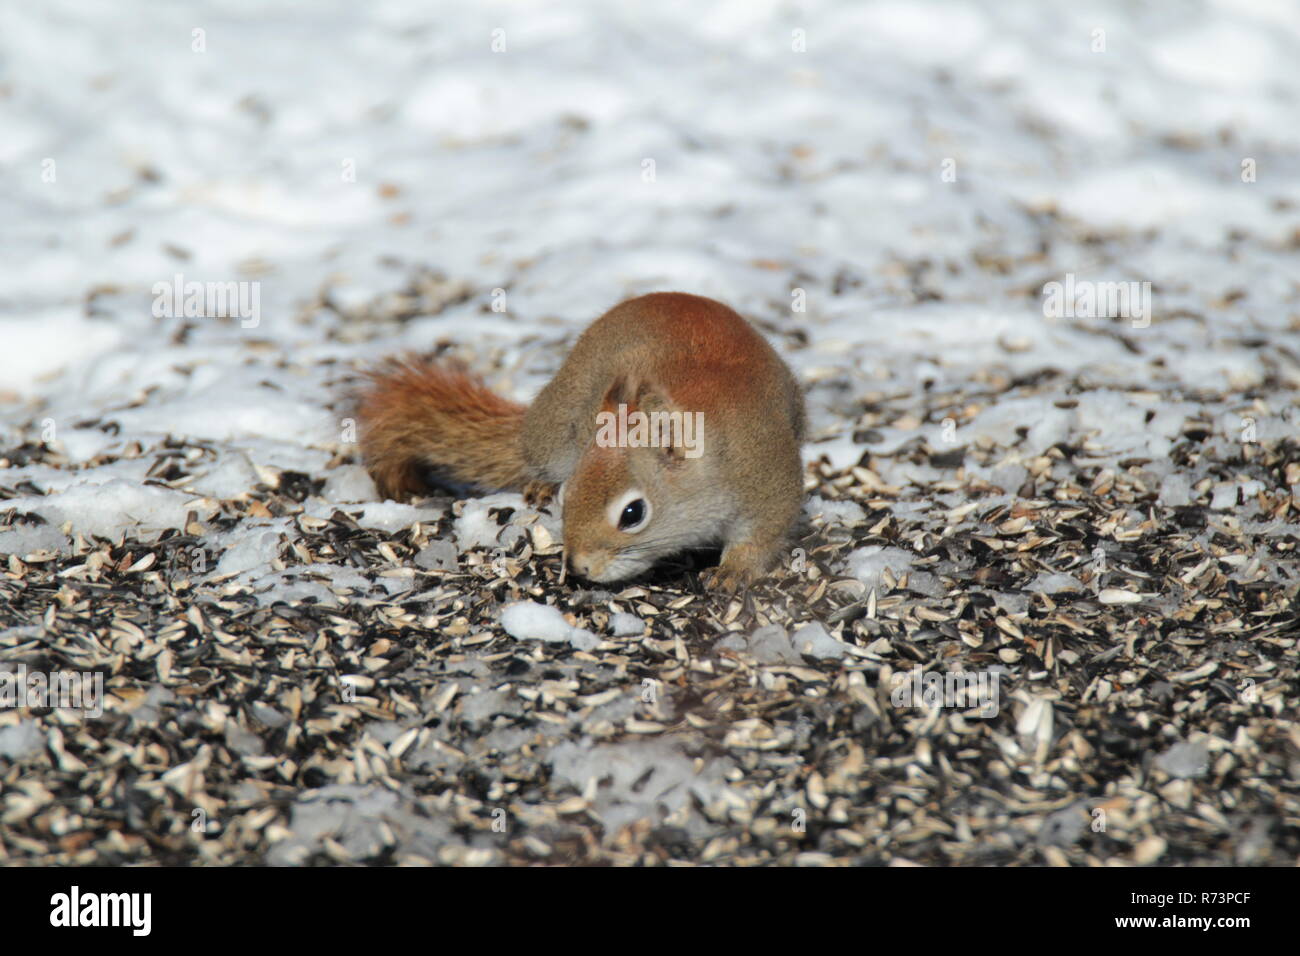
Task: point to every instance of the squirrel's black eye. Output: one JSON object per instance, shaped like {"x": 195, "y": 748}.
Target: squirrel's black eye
{"x": 630, "y": 512}
{"x": 633, "y": 514}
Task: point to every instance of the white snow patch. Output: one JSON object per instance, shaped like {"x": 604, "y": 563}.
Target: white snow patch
{"x": 111, "y": 507}
{"x": 867, "y": 564}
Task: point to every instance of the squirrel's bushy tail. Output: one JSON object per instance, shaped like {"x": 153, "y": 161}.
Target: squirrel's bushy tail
{"x": 423, "y": 424}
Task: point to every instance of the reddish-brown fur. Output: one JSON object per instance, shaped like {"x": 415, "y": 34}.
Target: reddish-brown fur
{"x": 417, "y": 416}
{"x": 668, "y": 351}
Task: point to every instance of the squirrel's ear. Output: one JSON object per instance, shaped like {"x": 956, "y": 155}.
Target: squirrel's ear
{"x": 620, "y": 392}
{"x": 651, "y": 398}
{"x": 636, "y": 394}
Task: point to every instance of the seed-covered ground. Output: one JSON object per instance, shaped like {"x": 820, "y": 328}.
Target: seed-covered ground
{"x": 1085, "y": 503}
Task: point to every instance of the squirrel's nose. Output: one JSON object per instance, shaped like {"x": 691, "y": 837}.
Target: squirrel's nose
{"x": 581, "y": 564}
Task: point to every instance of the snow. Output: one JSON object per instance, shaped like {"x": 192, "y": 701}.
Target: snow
{"x": 251, "y": 547}
{"x": 231, "y": 477}
{"x": 23, "y": 540}
{"x": 528, "y": 620}
{"x": 1188, "y": 758}
{"x": 626, "y": 625}
{"x": 379, "y": 171}
{"x": 1175, "y": 491}
{"x": 835, "y": 512}
{"x": 349, "y": 483}
{"x": 1226, "y": 493}
{"x": 584, "y": 640}
{"x": 1055, "y": 583}
{"x": 868, "y": 564}
{"x": 390, "y": 148}
{"x": 814, "y": 640}
{"x": 21, "y": 740}
{"x": 48, "y": 341}
{"x": 639, "y": 780}
{"x": 393, "y": 516}
{"x": 771, "y": 645}
{"x": 107, "y": 508}
{"x": 476, "y": 526}
{"x": 362, "y": 818}
{"x": 440, "y": 555}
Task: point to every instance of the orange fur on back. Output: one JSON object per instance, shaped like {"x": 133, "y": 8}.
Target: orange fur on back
{"x": 424, "y": 424}
{"x": 418, "y": 418}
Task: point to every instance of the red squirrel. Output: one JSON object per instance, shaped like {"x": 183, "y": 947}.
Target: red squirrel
{"x": 626, "y": 503}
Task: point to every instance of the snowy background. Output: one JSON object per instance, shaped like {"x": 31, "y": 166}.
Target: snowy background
{"x": 524, "y": 170}
{"x": 884, "y": 187}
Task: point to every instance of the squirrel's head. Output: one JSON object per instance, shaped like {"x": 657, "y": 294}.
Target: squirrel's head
{"x": 628, "y": 502}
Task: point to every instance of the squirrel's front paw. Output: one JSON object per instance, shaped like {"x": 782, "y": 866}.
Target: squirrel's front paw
{"x": 742, "y": 565}
{"x": 538, "y": 494}
{"x": 729, "y": 579}
{"x": 724, "y": 580}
